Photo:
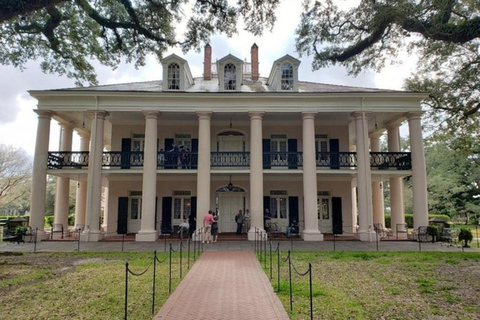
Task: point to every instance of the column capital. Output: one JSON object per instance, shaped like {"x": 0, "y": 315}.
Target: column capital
{"x": 309, "y": 115}
{"x": 256, "y": 115}
{"x": 44, "y": 113}
{"x": 66, "y": 125}
{"x": 204, "y": 115}
{"x": 414, "y": 115}
{"x": 376, "y": 135}
{"x": 151, "y": 114}
{"x": 358, "y": 115}
{"x": 100, "y": 114}
{"x": 83, "y": 134}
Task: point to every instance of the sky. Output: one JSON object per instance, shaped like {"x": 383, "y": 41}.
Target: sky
{"x": 18, "y": 122}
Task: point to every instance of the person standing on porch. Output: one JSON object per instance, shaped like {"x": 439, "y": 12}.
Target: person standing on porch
{"x": 246, "y": 221}
{"x": 207, "y": 225}
{"x": 239, "y": 221}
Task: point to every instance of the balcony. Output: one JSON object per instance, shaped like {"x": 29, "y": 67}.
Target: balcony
{"x": 229, "y": 160}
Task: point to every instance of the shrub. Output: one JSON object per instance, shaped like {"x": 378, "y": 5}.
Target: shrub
{"x": 466, "y": 236}
{"x": 432, "y": 231}
{"x": 20, "y": 230}
{"x": 409, "y": 219}
{"x": 48, "y": 221}
{"x": 71, "y": 219}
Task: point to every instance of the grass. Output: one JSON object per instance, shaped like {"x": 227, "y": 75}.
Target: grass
{"x": 83, "y": 285}
{"x": 382, "y": 285}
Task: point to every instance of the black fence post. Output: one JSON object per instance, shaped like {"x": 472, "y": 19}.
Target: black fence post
{"x": 278, "y": 267}
{"x": 311, "y": 291}
{"x": 35, "y": 241}
{"x": 170, "y": 272}
{"x": 126, "y": 289}
{"x": 290, "y": 279}
{"x": 154, "y": 280}
{"x": 78, "y": 240}
{"x": 265, "y": 251}
{"x": 194, "y": 248}
{"x": 255, "y": 241}
{"x": 270, "y": 243}
{"x": 181, "y": 245}
{"x": 188, "y": 255}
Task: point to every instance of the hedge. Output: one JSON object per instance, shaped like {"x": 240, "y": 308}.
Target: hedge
{"x": 409, "y": 219}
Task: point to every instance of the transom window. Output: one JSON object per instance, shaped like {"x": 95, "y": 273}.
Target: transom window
{"x": 230, "y": 77}
{"x": 287, "y": 76}
{"x": 173, "y": 76}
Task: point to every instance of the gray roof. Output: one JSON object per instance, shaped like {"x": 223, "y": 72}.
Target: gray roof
{"x": 212, "y": 86}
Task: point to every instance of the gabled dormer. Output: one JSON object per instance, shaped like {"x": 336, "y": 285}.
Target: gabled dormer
{"x": 176, "y": 74}
{"x": 230, "y": 73}
{"x": 284, "y": 74}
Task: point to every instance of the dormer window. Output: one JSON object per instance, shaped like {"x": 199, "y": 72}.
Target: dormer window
{"x": 287, "y": 77}
{"x": 176, "y": 74}
{"x": 284, "y": 74}
{"x": 230, "y": 77}
{"x": 173, "y": 76}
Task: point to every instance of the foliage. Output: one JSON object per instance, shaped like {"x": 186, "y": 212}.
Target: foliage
{"x": 453, "y": 172}
{"x": 48, "y": 221}
{"x": 66, "y": 35}
{"x": 465, "y": 235}
{"x": 432, "y": 230}
{"x": 21, "y": 230}
{"x": 15, "y": 177}
{"x": 444, "y": 33}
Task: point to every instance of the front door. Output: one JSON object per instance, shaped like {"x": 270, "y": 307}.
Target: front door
{"x": 134, "y": 214}
{"x": 324, "y": 215}
{"x": 230, "y": 203}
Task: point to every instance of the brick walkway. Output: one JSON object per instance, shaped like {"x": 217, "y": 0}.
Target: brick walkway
{"x": 224, "y": 285}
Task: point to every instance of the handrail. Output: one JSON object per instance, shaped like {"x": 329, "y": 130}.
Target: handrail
{"x": 228, "y": 159}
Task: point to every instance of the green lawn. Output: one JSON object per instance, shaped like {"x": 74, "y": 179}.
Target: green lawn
{"x": 394, "y": 285}
{"x": 82, "y": 285}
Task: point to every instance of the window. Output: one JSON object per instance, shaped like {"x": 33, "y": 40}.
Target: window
{"x": 181, "y": 206}
{"x": 230, "y": 77}
{"x": 323, "y": 205}
{"x": 183, "y": 139}
{"x": 173, "y": 76}
{"x": 138, "y": 142}
{"x": 278, "y": 204}
{"x": 135, "y": 207}
{"x": 321, "y": 147}
{"x": 279, "y": 149}
{"x": 287, "y": 77}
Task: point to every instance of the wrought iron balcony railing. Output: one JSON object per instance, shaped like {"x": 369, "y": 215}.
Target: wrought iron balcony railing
{"x": 219, "y": 160}
{"x": 230, "y": 159}
{"x": 386, "y": 160}
{"x": 67, "y": 159}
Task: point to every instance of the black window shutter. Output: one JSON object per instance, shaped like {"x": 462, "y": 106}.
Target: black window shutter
{"x": 126, "y": 148}
{"x": 292, "y": 158}
{"x": 168, "y": 156}
{"x": 337, "y": 215}
{"x": 193, "y": 208}
{"x": 334, "y": 154}
{"x": 166, "y": 215}
{"x": 194, "y": 156}
{"x": 267, "y": 164}
{"x": 122, "y": 215}
{"x": 292, "y": 209}
{"x": 266, "y": 203}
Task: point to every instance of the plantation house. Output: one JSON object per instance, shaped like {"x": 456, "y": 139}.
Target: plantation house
{"x": 154, "y": 152}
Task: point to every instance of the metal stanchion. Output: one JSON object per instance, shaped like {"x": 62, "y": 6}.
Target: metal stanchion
{"x": 78, "y": 240}
{"x": 290, "y": 279}
{"x": 170, "y": 272}
{"x": 278, "y": 268}
{"x": 311, "y": 291}
{"x": 154, "y": 276}
{"x": 35, "y": 241}
{"x": 181, "y": 268}
{"x": 265, "y": 250}
{"x": 126, "y": 289}
{"x": 188, "y": 255}
{"x": 270, "y": 243}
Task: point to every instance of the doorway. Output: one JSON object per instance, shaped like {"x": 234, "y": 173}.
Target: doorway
{"x": 229, "y": 205}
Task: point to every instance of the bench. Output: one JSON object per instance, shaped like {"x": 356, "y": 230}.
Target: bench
{"x": 56, "y": 228}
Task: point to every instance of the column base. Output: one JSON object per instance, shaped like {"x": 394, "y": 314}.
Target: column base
{"x": 369, "y": 236}
{"x": 146, "y": 236}
{"x": 42, "y": 235}
{"x": 89, "y": 236}
{"x": 312, "y": 235}
{"x": 252, "y": 236}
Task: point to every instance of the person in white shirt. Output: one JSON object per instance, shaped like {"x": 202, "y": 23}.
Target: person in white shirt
{"x": 184, "y": 227}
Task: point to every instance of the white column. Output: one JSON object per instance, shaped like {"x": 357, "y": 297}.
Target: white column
{"x": 94, "y": 186}
{"x": 63, "y": 183}
{"x": 311, "y": 232}
{"x": 419, "y": 175}
{"x": 81, "y": 195}
{"x": 256, "y": 173}
{"x": 39, "y": 173}
{"x": 353, "y": 228}
{"x": 364, "y": 180}
{"x": 397, "y": 211}
{"x": 106, "y": 199}
{"x": 149, "y": 190}
{"x": 203, "y": 170}
{"x": 377, "y": 186}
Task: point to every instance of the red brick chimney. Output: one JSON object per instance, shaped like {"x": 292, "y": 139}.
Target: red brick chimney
{"x": 207, "y": 63}
{"x": 254, "y": 57}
